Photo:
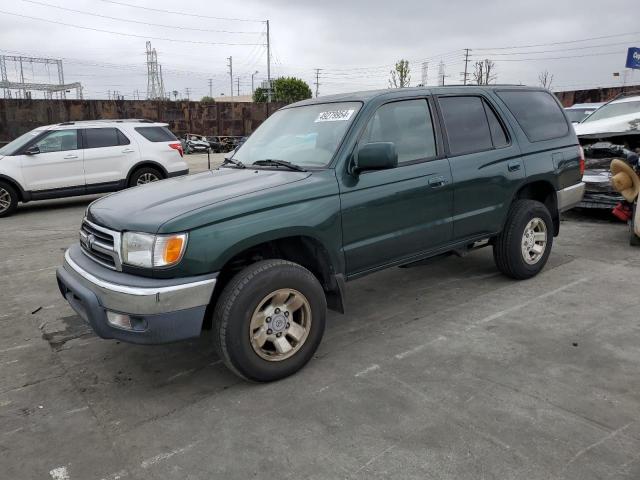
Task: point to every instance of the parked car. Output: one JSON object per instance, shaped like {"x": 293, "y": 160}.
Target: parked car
{"x": 79, "y": 158}
{"x": 195, "y": 143}
{"x": 579, "y": 111}
{"x": 216, "y": 144}
{"x": 323, "y": 192}
{"x": 612, "y": 131}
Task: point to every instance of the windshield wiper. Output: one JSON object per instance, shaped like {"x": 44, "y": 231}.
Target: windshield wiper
{"x": 237, "y": 163}
{"x": 281, "y": 163}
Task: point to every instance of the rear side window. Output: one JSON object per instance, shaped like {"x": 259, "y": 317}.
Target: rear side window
{"x": 156, "y": 134}
{"x": 408, "y": 125}
{"x": 466, "y": 123}
{"x": 104, "y": 137}
{"x": 498, "y": 135}
{"x": 537, "y": 113}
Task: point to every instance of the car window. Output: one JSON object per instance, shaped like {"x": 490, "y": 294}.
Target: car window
{"x": 101, "y": 137}
{"x": 58, "y": 141}
{"x": 156, "y": 134}
{"x": 122, "y": 138}
{"x": 498, "y": 134}
{"x": 614, "y": 109}
{"x": 466, "y": 124}
{"x": 408, "y": 125}
{"x": 538, "y": 113}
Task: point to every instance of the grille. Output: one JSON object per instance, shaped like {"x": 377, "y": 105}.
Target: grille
{"x": 101, "y": 245}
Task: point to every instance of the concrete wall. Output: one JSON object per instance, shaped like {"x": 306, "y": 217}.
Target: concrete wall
{"x": 220, "y": 118}
{"x": 594, "y": 94}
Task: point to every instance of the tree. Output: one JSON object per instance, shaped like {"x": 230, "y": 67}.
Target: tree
{"x": 175, "y": 95}
{"x": 207, "y": 99}
{"x": 546, "y": 79}
{"x": 285, "y": 89}
{"x": 484, "y": 72}
{"x": 400, "y": 75}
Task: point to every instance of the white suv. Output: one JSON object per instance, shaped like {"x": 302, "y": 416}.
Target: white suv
{"x": 79, "y": 158}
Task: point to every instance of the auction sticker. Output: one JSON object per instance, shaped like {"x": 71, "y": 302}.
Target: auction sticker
{"x": 334, "y": 116}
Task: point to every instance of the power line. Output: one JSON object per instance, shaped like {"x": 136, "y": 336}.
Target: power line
{"x": 560, "y": 50}
{"x": 174, "y": 12}
{"x": 561, "y": 43}
{"x": 554, "y": 58}
{"x": 120, "y": 19}
{"x": 198, "y": 42}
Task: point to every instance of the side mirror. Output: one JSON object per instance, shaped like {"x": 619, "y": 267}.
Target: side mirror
{"x": 376, "y": 156}
{"x": 33, "y": 150}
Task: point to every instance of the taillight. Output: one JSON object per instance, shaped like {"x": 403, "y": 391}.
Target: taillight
{"x": 581, "y": 160}
{"x": 178, "y": 147}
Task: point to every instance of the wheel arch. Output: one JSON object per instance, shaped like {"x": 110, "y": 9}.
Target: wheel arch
{"x": 544, "y": 192}
{"x": 146, "y": 163}
{"x": 23, "y": 196}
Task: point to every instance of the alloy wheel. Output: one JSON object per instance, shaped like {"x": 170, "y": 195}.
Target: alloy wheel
{"x": 534, "y": 241}
{"x": 280, "y": 324}
{"x": 147, "y": 178}
{"x": 5, "y": 200}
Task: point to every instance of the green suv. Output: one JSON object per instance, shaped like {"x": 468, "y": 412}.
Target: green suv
{"x": 325, "y": 191}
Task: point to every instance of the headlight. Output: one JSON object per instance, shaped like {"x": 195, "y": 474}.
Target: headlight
{"x": 145, "y": 250}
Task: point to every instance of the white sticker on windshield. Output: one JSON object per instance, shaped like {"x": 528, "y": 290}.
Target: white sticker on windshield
{"x": 334, "y": 116}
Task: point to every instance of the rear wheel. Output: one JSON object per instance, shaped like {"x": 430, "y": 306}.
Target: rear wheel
{"x": 269, "y": 320}
{"x": 521, "y": 250}
{"x": 8, "y": 199}
{"x": 145, "y": 175}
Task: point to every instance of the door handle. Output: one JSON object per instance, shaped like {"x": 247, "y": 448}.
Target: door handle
{"x": 435, "y": 182}
{"x": 68, "y": 157}
{"x": 514, "y": 166}
{"x": 128, "y": 150}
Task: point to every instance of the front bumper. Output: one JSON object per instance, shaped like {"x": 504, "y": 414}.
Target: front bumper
{"x": 570, "y": 197}
{"x": 161, "y": 310}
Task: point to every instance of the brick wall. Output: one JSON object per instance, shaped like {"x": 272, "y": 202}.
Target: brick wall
{"x": 220, "y": 118}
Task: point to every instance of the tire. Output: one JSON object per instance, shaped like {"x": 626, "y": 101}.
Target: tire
{"x": 243, "y": 300}
{"x": 145, "y": 175}
{"x": 634, "y": 240}
{"x": 8, "y": 199}
{"x": 516, "y": 250}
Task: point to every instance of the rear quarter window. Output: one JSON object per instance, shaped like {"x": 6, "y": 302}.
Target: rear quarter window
{"x": 537, "y": 113}
{"x": 156, "y": 134}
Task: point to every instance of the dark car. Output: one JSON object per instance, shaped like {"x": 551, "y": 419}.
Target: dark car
{"x": 325, "y": 191}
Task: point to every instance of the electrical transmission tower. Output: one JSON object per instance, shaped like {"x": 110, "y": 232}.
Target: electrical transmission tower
{"x": 155, "y": 84}
{"x": 230, "y": 65}
{"x": 425, "y": 68}
{"x": 465, "y": 74}
{"x": 441, "y": 73}
{"x": 24, "y": 88}
{"x": 317, "y": 81}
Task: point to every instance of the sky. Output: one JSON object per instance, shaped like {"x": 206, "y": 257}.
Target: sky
{"x": 354, "y": 43}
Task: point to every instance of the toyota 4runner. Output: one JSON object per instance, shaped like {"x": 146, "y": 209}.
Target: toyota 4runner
{"x": 325, "y": 191}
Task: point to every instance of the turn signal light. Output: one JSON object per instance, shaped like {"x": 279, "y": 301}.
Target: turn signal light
{"x": 581, "y": 161}
{"x": 173, "y": 250}
{"x": 168, "y": 250}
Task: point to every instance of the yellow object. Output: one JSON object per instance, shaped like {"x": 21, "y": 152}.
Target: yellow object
{"x": 173, "y": 249}
{"x": 625, "y": 180}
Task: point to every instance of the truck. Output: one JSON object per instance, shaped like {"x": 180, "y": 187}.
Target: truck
{"x": 324, "y": 192}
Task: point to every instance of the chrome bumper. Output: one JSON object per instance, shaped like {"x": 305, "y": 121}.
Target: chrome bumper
{"x": 155, "y": 296}
{"x": 570, "y": 197}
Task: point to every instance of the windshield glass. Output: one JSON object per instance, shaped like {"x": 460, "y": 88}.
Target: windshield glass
{"x": 306, "y": 136}
{"x": 613, "y": 110}
{"x": 578, "y": 114}
{"x": 11, "y": 147}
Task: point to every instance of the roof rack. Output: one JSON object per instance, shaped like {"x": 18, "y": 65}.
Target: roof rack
{"x": 110, "y": 120}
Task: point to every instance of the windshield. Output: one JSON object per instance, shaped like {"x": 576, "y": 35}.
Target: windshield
{"x": 12, "y": 147}
{"x": 613, "y": 110}
{"x": 306, "y": 136}
{"x": 578, "y": 114}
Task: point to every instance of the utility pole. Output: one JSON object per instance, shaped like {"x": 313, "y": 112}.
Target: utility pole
{"x": 188, "y": 92}
{"x": 238, "y": 83}
{"x": 268, "y": 65}
{"x": 441, "y": 74}
{"x": 230, "y": 65}
{"x": 252, "y": 88}
{"x": 211, "y": 87}
{"x": 466, "y": 63}
{"x": 317, "y": 81}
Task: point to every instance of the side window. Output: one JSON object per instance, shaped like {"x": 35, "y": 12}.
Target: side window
{"x": 466, "y": 124}
{"x": 498, "y": 134}
{"x": 122, "y": 138}
{"x": 58, "y": 141}
{"x": 538, "y": 113}
{"x": 408, "y": 125}
{"x": 101, "y": 137}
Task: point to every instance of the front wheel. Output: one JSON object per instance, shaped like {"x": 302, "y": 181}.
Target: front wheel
{"x": 8, "y": 199}
{"x": 521, "y": 250}
{"x": 269, "y": 320}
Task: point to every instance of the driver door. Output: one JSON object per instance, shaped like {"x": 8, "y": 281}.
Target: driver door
{"x": 59, "y": 163}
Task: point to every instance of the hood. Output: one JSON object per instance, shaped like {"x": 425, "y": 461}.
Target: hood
{"x": 147, "y": 207}
{"x": 607, "y": 127}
